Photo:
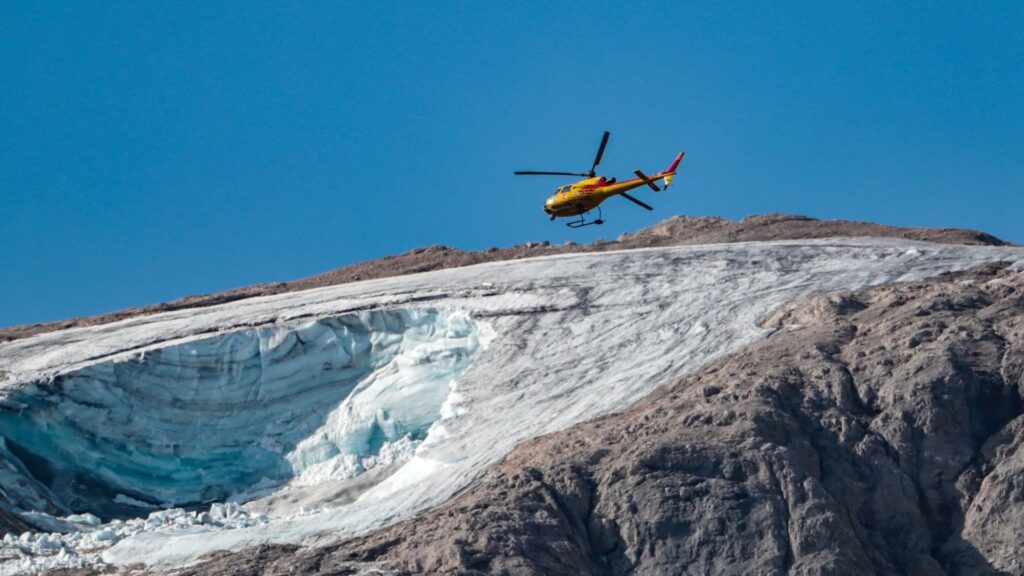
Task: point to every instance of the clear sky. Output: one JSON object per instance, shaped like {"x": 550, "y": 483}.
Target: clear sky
{"x": 152, "y": 150}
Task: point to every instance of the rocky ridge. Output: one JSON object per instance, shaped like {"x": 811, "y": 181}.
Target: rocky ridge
{"x": 680, "y": 230}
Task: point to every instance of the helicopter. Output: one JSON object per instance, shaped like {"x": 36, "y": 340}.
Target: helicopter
{"x": 580, "y": 198}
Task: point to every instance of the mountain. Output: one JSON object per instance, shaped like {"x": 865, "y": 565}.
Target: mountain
{"x": 830, "y": 405}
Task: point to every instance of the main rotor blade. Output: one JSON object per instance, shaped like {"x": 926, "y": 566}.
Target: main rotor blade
{"x": 600, "y": 152}
{"x": 531, "y": 173}
{"x": 634, "y": 200}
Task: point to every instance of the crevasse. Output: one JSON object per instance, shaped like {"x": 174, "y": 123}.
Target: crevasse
{"x": 232, "y": 414}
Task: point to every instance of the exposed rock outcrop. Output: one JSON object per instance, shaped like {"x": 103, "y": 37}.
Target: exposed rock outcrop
{"x": 875, "y": 433}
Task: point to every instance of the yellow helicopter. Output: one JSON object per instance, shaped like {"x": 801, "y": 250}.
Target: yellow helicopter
{"x": 580, "y": 198}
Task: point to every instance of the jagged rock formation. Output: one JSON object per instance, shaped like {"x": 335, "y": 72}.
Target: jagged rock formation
{"x": 681, "y": 230}
{"x": 875, "y": 433}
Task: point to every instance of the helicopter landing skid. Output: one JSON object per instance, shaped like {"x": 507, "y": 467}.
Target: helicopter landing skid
{"x": 584, "y": 222}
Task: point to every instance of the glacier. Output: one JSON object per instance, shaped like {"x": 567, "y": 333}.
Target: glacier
{"x": 310, "y": 416}
{"x": 211, "y": 419}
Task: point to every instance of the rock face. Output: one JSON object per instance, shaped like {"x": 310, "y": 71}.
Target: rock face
{"x": 874, "y": 433}
{"x": 681, "y": 230}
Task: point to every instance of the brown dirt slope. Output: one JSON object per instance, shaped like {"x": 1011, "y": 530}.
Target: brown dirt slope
{"x": 680, "y": 230}
{"x": 874, "y": 433}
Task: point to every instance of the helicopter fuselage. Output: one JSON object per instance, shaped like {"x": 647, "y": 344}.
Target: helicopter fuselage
{"x": 585, "y": 195}
{"x": 581, "y": 197}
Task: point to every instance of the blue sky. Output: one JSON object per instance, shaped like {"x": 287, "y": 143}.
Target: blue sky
{"x": 154, "y": 150}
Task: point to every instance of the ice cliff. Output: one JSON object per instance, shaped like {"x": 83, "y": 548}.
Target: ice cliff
{"x": 216, "y": 418}
{"x": 351, "y": 407}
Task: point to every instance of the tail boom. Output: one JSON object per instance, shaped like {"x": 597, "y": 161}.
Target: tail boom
{"x": 668, "y": 174}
